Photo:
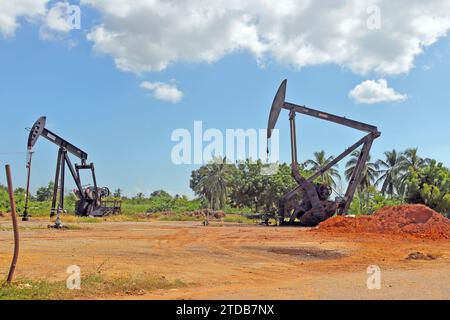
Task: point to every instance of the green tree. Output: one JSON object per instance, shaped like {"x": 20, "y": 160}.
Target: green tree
{"x": 139, "y": 197}
{"x": 279, "y": 184}
{"x": 248, "y": 184}
{"x": 117, "y": 193}
{"x": 160, "y": 193}
{"x": 369, "y": 175}
{"x": 411, "y": 159}
{"x": 210, "y": 182}
{"x": 369, "y": 172}
{"x": 389, "y": 173}
{"x": 320, "y": 160}
{"x": 45, "y": 193}
{"x": 369, "y": 201}
{"x": 429, "y": 185}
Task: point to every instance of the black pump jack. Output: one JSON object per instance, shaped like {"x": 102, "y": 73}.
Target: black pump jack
{"x": 89, "y": 199}
{"x": 315, "y": 205}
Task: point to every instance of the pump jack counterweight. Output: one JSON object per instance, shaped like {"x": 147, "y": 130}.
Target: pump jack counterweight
{"x": 90, "y": 201}
{"x": 315, "y": 205}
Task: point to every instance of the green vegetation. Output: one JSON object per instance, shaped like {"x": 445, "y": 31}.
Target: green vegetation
{"x": 246, "y": 189}
{"x": 237, "y": 218}
{"x": 242, "y": 188}
{"x": 158, "y": 201}
{"x": 93, "y": 285}
{"x": 320, "y": 160}
{"x": 429, "y": 184}
{"x": 402, "y": 177}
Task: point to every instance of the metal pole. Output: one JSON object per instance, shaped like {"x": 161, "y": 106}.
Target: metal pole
{"x": 60, "y": 207}
{"x": 15, "y": 225}
{"x": 55, "y": 186}
{"x": 25, "y": 216}
{"x": 293, "y": 138}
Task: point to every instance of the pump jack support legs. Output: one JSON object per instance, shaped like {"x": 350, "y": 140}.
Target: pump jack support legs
{"x": 57, "y": 206}
{"x": 58, "y": 203}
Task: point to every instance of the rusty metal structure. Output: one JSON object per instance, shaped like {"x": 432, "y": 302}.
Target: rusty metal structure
{"x": 12, "y": 204}
{"x": 90, "y": 201}
{"x": 315, "y": 205}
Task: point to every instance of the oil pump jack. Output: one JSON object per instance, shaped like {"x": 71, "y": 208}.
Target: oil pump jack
{"x": 90, "y": 201}
{"x": 315, "y": 205}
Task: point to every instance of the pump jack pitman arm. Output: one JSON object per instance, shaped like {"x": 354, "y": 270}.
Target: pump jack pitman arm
{"x": 306, "y": 185}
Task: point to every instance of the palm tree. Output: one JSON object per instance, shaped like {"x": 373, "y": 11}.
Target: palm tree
{"x": 213, "y": 183}
{"x": 369, "y": 175}
{"x": 369, "y": 171}
{"x": 409, "y": 162}
{"x": 389, "y": 172}
{"x": 320, "y": 160}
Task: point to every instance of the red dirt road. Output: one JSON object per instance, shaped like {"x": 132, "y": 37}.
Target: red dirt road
{"x": 236, "y": 261}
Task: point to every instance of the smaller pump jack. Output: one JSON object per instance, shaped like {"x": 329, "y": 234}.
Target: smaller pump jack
{"x": 90, "y": 201}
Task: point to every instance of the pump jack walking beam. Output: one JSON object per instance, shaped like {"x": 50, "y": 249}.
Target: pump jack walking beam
{"x": 306, "y": 185}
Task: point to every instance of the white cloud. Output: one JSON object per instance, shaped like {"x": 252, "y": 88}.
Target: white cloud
{"x": 12, "y": 10}
{"x": 375, "y": 91}
{"x": 56, "y": 18}
{"x": 150, "y": 35}
{"x": 50, "y": 15}
{"x": 163, "y": 91}
{"x": 55, "y": 23}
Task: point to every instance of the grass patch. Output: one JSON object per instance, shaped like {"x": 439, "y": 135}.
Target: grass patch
{"x": 236, "y": 218}
{"x": 30, "y": 290}
{"x": 75, "y": 219}
{"x": 92, "y": 286}
{"x": 179, "y": 217}
{"x": 72, "y": 227}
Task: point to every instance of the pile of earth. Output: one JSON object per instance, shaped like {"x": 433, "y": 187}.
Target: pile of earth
{"x": 413, "y": 220}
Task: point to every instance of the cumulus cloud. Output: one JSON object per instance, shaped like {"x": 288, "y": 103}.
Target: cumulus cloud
{"x": 163, "y": 91}
{"x": 375, "y": 91}
{"x": 50, "y": 15}
{"x": 12, "y": 10}
{"x": 150, "y": 35}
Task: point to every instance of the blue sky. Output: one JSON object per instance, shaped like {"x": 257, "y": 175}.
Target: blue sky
{"x": 126, "y": 131}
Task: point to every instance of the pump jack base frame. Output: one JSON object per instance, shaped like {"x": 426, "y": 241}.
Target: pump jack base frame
{"x": 57, "y": 225}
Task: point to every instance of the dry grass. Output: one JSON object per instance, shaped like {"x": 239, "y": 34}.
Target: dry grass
{"x": 93, "y": 286}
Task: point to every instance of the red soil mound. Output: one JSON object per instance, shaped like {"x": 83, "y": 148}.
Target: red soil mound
{"x": 416, "y": 220}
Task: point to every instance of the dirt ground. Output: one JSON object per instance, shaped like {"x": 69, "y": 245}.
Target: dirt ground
{"x": 230, "y": 261}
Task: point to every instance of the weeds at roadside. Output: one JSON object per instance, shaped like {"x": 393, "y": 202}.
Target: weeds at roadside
{"x": 92, "y": 286}
{"x": 235, "y": 218}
